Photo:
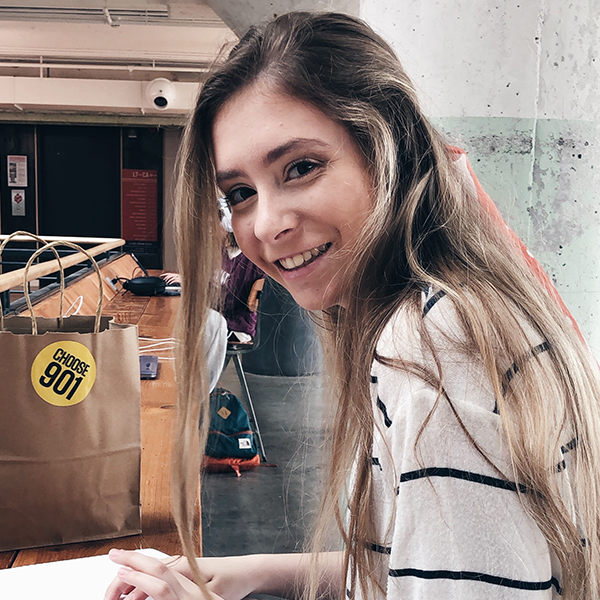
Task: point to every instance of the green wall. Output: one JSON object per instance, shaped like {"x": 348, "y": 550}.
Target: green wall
{"x": 544, "y": 175}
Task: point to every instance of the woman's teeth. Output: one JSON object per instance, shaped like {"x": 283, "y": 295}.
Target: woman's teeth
{"x": 293, "y": 262}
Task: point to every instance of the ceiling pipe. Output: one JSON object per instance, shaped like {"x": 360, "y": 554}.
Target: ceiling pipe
{"x": 109, "y": 19}
{"x": 103, "y": 67}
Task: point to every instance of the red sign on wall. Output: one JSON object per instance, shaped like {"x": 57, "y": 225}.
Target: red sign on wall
{"x": 139, "y": 209}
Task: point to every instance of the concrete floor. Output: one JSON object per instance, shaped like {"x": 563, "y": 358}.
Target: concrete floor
{"x": 269, "y": 509}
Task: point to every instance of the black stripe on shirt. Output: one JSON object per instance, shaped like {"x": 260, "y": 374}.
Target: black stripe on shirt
{"x": 570, "y": 446}
{"x": 380, "y": 549}
{"x": 562, "y": 465}
{"x": 375, "y": 462}
{"x": 465, "y": 475}
{"x": 373, "y": 379}
{"x": 432, "y": 301}
{"x": 473, "y": 576}
{"x": 514, "y": 369}
{"x": 382, "y": 407}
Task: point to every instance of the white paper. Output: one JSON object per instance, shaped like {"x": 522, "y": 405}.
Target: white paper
{"x": 17, "y": 170}
{"x": 77, "y": 579}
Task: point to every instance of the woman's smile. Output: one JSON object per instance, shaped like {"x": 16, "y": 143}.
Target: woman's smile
{"x": 298, "y": 190}
{"x": 303, "y": 259}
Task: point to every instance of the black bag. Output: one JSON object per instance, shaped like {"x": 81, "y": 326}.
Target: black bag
{"x": 229, "y": 434}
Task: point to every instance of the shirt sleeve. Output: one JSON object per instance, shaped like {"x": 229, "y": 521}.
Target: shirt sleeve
{"x": 215, "y": 346}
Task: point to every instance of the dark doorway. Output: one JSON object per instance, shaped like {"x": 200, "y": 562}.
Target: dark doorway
{"x": 19, "y": 140}
{"x": 79, "y": 181}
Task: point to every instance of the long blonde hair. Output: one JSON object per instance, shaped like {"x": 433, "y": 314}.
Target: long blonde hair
{"x": 426, "y": 228}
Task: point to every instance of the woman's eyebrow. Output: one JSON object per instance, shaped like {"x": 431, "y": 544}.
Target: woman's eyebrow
{"x": 289, "y": 146}
{"x": 273, "y": 155}
{"x": 230, "y": 174}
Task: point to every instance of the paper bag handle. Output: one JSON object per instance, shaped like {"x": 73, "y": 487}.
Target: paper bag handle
{"x": 51, "y": 245}
{"x": 57, "y": 256}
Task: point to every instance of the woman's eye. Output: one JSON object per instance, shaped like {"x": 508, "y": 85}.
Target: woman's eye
{"x": 301, "y": 168}
{"x": 238, "y": 195}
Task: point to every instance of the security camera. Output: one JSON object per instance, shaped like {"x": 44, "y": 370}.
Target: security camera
{"x": 160, "y": 93}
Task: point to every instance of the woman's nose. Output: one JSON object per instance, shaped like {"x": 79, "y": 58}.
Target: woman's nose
{"x": 273, "y": 218}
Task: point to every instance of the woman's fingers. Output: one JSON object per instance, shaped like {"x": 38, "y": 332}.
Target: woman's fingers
{"x": 158, "y": 588}
{"x": 119, "y": 588}
{"x": 167, "y": 585}
{"x": 146, "y": 576}
{"x": 171, "y": 278}
{"x": 135, "y": 593}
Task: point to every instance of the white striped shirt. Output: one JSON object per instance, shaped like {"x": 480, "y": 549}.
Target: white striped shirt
{"x": 450, "y": 526}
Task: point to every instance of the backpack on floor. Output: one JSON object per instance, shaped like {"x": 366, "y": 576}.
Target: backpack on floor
{"x": 230, "y": 443}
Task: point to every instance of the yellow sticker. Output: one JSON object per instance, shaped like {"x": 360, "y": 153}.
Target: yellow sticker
{"x": 63, "y": 373}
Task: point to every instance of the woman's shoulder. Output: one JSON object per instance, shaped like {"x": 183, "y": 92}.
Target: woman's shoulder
{"x": 430, "y": 321}
{"x": 425, "y": 346}
{"x": 435, "y": 323}
{"x": 399, "y": 336}
{"x": 429, "y": 341}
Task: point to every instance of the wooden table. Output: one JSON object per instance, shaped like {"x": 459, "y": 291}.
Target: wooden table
{"x": 155, "y": 317}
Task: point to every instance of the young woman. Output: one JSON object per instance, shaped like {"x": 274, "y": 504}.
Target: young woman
{"x": 240, "y": 300}
{"x": 466, "y": 435}
{"x": 239, "y": 289}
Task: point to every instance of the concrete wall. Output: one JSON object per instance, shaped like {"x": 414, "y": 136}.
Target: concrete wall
{"x": 239, "y": 15}
{"x": 517, "y": 85}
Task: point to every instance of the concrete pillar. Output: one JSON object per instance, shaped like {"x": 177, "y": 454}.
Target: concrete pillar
{"x": 517, "y": 85}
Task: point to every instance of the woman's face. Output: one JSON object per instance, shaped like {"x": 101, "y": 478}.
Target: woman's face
{"x": 298, "y": 189}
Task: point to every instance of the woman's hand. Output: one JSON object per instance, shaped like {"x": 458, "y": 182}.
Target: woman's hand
{"x": 172, "y": 278}
{"x": 141, "y": 576}
{"x": 226, "y": 578}
{"x": 230, "y": 578}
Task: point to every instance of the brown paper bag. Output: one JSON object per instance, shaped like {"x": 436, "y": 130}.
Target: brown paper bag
{"x": 69, "y": 430}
